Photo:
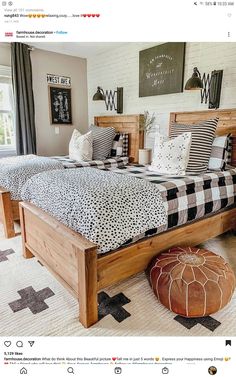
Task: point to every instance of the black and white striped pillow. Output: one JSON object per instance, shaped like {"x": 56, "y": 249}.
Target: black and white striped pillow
{"x": 201, "y": 144}
{"x": 120, "y": 145}
{"x": 102, "y": 141}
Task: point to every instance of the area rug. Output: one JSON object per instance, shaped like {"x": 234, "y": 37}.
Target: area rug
{"x": 33, "y": 303}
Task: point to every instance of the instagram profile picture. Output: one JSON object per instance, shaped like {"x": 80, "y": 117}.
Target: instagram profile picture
{"x": 212, "y": 371}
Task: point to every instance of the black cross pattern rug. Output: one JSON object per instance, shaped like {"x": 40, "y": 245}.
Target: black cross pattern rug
{"x": 34, "y": 303}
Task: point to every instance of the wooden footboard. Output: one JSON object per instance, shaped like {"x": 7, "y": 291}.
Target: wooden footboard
{"x": 9, "y": 211}
{"x": 68, "y": 256}
{"x": 74, "y": 262}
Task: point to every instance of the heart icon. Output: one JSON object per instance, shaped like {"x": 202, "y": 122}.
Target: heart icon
{"x": 114, "y": 358}
{"x": 97, "y": 15}
{"x": 89, "y": 15}
{"x": 7, "y": 343}
{"x": 93, "y": 15}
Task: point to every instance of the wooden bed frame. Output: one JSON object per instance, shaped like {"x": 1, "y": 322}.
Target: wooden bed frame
{"x": 74, "y": 260}
{"x": 9, "y": 209}
{"x": 9, "y": 212}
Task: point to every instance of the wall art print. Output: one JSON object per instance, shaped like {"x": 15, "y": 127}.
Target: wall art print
{"x": 161, "y": 69}
{"x": 60, "y": 105}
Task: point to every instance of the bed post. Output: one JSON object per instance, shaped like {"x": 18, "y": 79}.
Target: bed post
{"x": 6, "y": 214}
{"x": 87, "y": 286}
{"x": 26, "y": 253}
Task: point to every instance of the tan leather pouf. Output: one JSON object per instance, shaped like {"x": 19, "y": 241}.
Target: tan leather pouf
{"x": 191, "y": 282}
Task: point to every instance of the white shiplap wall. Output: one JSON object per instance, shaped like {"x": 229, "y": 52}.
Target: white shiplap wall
{"x": 120, "y": 67}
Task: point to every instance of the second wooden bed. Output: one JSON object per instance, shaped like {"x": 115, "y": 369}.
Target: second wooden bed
{"x": 9, "y": 208}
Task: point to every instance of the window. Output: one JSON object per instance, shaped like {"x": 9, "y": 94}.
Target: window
{"x": 7, "y": 134}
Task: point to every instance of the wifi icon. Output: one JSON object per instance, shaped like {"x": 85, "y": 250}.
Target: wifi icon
{"x": 31, "y": 343}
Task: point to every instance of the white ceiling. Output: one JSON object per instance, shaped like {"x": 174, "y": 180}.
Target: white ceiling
{"x": 80, "y": 49}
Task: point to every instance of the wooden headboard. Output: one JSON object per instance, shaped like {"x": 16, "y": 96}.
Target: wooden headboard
{"x": 226, "y": 124}
{"x": 129, "y": 124}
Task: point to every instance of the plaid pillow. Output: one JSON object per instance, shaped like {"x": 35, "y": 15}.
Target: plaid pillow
{"x": 229, "y": 149}
{"x": 219, "y": 153}
{"x": 120, "y": 145}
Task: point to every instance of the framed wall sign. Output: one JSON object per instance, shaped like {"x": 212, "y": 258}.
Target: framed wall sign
{"x": 60, "y": 105}
{"x": 161, "y": 69}
{"x": 58, "y": 80}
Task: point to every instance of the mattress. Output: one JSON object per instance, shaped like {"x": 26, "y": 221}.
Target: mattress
{"x": 187, "y": 198}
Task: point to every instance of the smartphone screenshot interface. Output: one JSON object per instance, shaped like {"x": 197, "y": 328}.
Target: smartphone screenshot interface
{"x": 112, "y": 20}
{"x": 117, "y": 188}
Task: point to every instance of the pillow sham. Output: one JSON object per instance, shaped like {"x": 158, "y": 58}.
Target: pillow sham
{"x": 102, "y": 141}
{"x": 120, "y": 145}
{"x": 81, "y": 146}
{"x": 219, "y": 153}
{"x": 171, "y": 156}
{"x": 201, "y": 144}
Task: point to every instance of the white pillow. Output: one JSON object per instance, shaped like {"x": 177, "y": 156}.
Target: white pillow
{"x": 81, "y": 146}
{"x": 171, "y": 156}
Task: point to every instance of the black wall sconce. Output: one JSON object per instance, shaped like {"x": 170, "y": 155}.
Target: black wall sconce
{"x": 113, "y": 98}
{"x": 210, "y": 85}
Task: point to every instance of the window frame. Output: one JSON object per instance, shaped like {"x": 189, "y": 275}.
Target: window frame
{"x": 7, "y": 150}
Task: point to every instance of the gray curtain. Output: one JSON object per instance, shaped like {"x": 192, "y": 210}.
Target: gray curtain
{"x": 23, "y": 99}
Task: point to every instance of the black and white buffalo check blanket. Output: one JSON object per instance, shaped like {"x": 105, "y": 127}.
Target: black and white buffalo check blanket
{"x": 113, "y": 162}
{"x": 188, "y": 198}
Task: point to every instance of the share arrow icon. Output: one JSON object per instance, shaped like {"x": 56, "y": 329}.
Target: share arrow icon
{"x": 31, "y": 343}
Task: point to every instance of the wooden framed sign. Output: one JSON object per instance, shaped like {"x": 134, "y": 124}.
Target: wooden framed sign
{"x": 60, "y": 105}
{"x": 58, "y": 80}
{"x": 161, "y": 69}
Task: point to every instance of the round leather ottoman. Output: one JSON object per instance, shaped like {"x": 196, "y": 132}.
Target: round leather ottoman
{"x": 191, "y": 282}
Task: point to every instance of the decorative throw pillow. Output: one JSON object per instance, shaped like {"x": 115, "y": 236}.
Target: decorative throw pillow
{"x": 171, "y": 155}
{"x": 81, "y": 146}
{"x": 201, "y": 144}
{"x": 102, "y": 141}
{"x": 229, "y": 150}
{"x": 219, "y": 153}
{"x": 120, "y": 145}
